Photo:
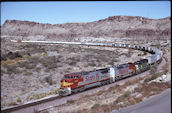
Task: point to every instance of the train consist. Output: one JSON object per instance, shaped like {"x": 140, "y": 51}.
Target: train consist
{"x": 79, "y": 81}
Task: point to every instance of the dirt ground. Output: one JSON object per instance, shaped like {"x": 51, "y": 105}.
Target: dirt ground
{"x": 31, "y": 71}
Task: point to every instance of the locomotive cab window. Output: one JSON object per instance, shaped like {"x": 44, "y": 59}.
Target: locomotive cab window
{"x": 104, "y": 71}
{"x": 68, "y": 77}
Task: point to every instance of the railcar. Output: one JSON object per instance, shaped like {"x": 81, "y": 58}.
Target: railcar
{"x": 124, "y": 70}
{"x": 152, "y": 59}
{"x": 141, "y": 65}
{"x": 74, "y": 82}
{"x": 127, "y": 45}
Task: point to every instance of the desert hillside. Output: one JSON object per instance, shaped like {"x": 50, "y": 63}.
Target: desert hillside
{"x": 32, "y": 71}
{"x": 114, "y": 27}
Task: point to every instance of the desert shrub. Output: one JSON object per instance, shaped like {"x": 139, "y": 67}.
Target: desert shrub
{"x": 19, "y": 59}
{"x": 166, "y": 67}
{"x": 154, "y": 76}
{"x": 165, "y": 71}
{"x": 19, "y": 100}
{"x": 36, "y": 111}
{"x": 55, "y": 91}
{"x": 153, "y": 69}
{"x": 49, "y": 62}
{"x": 166, "y": 59}
{"x": 70, "y": 101}
{"x": 30, "y": 66}
{"x": 112, "y": 88}
{"x": 138, "y": 99}
{"x": 33, "y": 60}
{"x": 100, "y": 92}
{"x": 132, "y": 101}
{"x": 49, "y": 79}
{"x": 3, "y": 57}
{"x": 95, "y": 106}
{"x": 147, "y": 79}
{"x": 126, "y": 93}
{"x": 67, "y": 70}
{"x": 145, "y": 53}
{"x": 38, "y": 69}
{"x": 37, "y": 96}
{"x": 60, "y": 56}
{"x": 22, "y": 64}
{"x": 11, "y": 103}
{"x": 47, "y": 70}
{"x": 72, "y": 63}
{"x": 139, "y": 54}
{"x": 12, "y": 69}
{"x": 91, "y": 64}
{"x": 106, "y": 108}
{"x": 52, "y": 66}
{"x": 127, "y": 83}
{"x": 8, "y": 62}
{"x": 126, "y": 54}
{"x": 153, "y": 73}
{"x": 12, "y": 55}
{"x": 28, "y": 73}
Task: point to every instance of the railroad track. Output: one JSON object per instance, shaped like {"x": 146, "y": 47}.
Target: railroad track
{"x": 46, "y": 102}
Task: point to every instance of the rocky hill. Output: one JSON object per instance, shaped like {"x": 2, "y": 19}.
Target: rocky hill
{"x": 115, "y": 27}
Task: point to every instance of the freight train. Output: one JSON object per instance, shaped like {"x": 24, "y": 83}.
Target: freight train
{"x": 75, "y": 82}
{"x": 79, "y": 81}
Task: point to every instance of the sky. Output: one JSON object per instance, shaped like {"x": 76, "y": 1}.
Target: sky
{"x": 87, "y": 11}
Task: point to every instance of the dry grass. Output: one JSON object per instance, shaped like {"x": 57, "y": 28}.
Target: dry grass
{"x": 166, "y": 59}
{"x": 155, "y": 87}
{"x": 70, "y": 101}
{"x": 19, "y": 100}
{"x": 28, "y": 73}
{"x": 12, "y": 103}
{"x": 127, "y": 93}
{"x": 131, "y": 82}
{"x": 41, "y": 95}
{"x": 166, "y": 67}
{"x": 7, "y": 62}
{"x": 53, "y": 92}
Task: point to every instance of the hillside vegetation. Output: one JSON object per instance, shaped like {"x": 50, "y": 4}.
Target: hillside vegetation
{"x": 115, "y": 26}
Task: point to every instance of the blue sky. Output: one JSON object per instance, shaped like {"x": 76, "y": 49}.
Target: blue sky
{"x": 63, "y": 12}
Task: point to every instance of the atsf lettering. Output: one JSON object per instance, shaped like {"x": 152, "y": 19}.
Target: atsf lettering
{"x": 93, "y": 77}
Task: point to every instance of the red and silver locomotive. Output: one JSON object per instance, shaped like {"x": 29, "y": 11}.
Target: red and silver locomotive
{"x": 75, "y": 82}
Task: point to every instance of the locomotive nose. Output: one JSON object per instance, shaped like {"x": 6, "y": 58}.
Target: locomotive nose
{"x": 62, "y": 83}
{"x": 65, "y": 83}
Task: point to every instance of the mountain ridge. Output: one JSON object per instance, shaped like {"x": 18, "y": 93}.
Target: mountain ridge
{"x": 113, "y": 26}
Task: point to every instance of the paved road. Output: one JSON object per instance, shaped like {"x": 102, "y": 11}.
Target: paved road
{"x": 160, "y": 103}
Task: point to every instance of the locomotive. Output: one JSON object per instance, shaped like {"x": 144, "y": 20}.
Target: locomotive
{"x": 79, "y": 81}
{"x": 75, "y": 82}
